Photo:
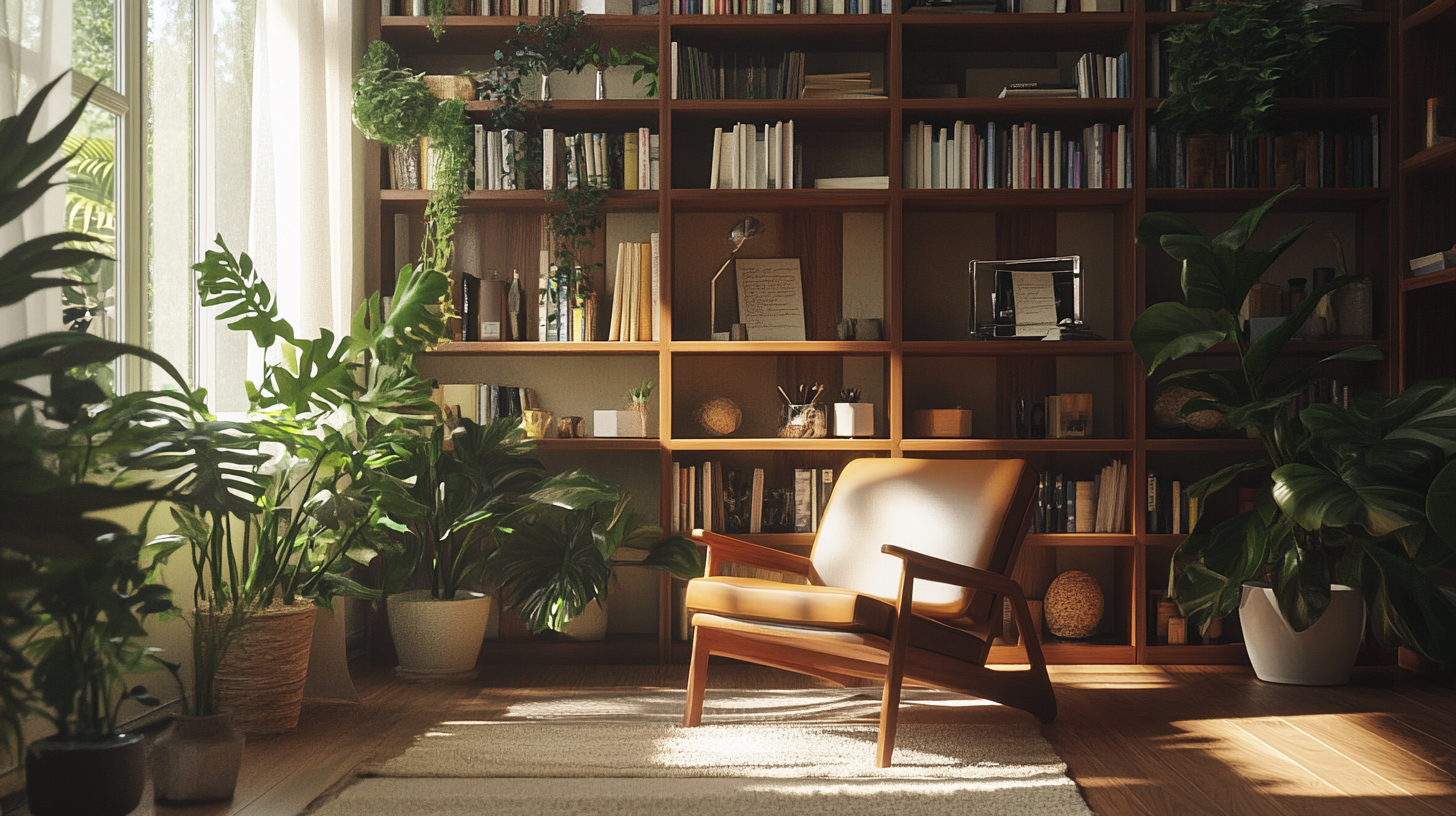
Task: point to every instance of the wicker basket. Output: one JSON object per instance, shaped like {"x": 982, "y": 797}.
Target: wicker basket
{"x": 450, "y": 86}
{"x": 261, "y": 680}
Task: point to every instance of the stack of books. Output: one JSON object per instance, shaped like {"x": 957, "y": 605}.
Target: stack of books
{"x": 1437, "y": 262}
{"x": 852, "y": 85}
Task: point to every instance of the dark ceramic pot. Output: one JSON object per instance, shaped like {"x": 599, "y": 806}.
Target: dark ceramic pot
{"x": 69, "y": 778}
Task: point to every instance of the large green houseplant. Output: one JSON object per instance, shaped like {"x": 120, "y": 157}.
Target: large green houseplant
{"x": 1284, "y": 539}
{"x": 1228, "y": 70}
{"x": 72, "y": 597}
{"x": 556, "y": 554}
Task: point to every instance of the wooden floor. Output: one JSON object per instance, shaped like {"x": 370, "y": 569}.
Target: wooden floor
{"x": 1156, "y": 740}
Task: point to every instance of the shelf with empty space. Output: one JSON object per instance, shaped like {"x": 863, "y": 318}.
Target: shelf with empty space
{"x": 1442, "y": 278}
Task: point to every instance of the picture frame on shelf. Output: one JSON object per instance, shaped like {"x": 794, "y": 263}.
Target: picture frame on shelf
{"x": 1028, "y": 299}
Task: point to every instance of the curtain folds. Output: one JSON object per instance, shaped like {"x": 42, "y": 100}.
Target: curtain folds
{"x": 36, "y": 48}
{"x": 308, "y": 167}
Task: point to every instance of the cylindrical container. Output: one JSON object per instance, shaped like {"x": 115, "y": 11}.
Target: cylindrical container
{"x": 262, "y": 677}
{"x": 810, "y": 421}
{"x": 1353, "y": 310}
{"x": 601, "y": 84}
{"x": 197, "y": 760}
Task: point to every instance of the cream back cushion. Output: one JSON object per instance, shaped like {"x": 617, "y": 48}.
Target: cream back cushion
{"x": 949, "y": 509}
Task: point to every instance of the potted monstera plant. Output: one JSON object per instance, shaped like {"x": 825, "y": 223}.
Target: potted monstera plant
{"x": 1357, "y": 494}
{"x": 554, "y": 558}
{"x": 465, "y": 491}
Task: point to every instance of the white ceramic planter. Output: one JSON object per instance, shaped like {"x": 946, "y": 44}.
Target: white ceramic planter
{"x": 591, "y": 624}
{"x": 619, "y": 423}
{"x": 1321, "y": 655}
{"x": 437, "y": 638}
{"x": 854, "y": 419}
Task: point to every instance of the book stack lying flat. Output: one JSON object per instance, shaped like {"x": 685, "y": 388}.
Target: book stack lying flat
{"x": 1426, "y": 264}
{"x": 853, "y": 85}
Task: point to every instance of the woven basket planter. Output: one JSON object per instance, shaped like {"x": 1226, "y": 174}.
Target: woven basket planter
{"x": 261, "y": 679}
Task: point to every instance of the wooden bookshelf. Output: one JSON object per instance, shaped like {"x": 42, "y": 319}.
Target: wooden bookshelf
{"x": 906, "y": 252}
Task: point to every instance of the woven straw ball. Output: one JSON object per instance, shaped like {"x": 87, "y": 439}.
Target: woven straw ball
{"x": 1073, "y": 606}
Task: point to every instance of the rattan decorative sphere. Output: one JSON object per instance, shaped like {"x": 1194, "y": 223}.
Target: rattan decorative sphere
{"x": 1073, "y": 606}
{"x": 719, "y": 417}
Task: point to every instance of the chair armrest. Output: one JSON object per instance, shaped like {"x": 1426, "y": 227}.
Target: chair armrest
{"x": 929, "y": 568}
{"x": 919, "y": 566}
{"x": 723, "y": 549}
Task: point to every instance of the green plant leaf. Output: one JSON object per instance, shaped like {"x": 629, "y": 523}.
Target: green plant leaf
{"x": 576, "y": 490}
{"x": 1302, "y": 585}
{"x": 1242, "y": 230}
{"x": 1441, "y": 503}
{"x": 1264, "y": 351}
{"x": 1209, "y": 485}
{"x": 1155, "y": 225}
{"x": 1168, "y": 331}
{"x": 676, "y": 555}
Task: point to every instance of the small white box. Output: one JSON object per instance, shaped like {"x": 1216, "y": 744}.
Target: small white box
{"x": 855, "y": 420}
{"x": 619, "y": 423}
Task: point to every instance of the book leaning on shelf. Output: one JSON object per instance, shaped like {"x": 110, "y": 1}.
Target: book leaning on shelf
{"x": 1022, "y": 157}
{"x": 749, "y": 157}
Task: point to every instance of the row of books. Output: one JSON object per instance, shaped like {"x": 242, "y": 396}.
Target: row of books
{"x": 486, "y": 8}
{"x": 1024, "y": 156}
{"x": 1095, "y": 505}
{"x": 699, "y": 73}
{"x": 707, "y": 496}
{"x": 1096, "y": 77}
{"x": 1325, "y": 158}
{"x": 484, "y": 404}
{"x": 599, "y": 161}
{"x": 749, "y": 157}
{"x": 636, "y": 293}
{"x": 1059, "y": 416}
{"x": 1169, "y": 507}
{"x": 781, "y": 7}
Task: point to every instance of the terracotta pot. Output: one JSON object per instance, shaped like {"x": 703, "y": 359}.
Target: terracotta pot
{"x": 70, "y": 778}
{"x": 261, "y": 680}
{"x": 197, "y": 760}
{"x": 437, "y": 638}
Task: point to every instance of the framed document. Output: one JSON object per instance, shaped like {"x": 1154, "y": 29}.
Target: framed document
{"x": 770, "y": 298}
{"x": 1026, "y": 299}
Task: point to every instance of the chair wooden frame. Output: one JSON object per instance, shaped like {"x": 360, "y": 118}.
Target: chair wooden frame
{"x": 843, "y": 657}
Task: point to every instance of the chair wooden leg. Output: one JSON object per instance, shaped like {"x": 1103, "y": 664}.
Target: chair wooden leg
{"x": 890, "y": 711}
{"x": 697, "y": 681}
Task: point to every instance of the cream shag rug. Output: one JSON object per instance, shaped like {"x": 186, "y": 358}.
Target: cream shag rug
{"x": 758, "y": 752}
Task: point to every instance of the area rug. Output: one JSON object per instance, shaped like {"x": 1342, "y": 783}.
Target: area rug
{"x": 758, "y": 752}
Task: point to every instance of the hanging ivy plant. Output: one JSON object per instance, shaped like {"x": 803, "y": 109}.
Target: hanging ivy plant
{"x": 437, "y": 9}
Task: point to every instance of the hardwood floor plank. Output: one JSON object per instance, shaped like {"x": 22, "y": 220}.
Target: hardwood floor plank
{"x": 1343, "y": 774}
{"x": 1382, "y": 744}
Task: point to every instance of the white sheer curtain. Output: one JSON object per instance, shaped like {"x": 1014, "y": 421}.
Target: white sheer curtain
{"x": 36, "y": 48}
{"x": 307, "y": 182}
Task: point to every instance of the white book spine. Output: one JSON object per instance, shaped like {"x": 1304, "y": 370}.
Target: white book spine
{"x": 548, "y": 159}
{"x": 480, "y": 157}
{"x": 656, "y": 292}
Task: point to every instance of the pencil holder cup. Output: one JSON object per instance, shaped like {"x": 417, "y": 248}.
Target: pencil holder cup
{"x": 810, "y": 421}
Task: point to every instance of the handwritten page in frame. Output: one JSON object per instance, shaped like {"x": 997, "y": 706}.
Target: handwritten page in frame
{"x": 771, "y": 298}
{"x": 1036, "y": 303}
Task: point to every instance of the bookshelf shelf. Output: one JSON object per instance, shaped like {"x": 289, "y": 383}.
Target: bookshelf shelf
{"x": 837, "y": 347}
{"x": 1015, "y": 348}
{"x": 1029, "y": 445}
{"x": 1442, "y": 278}
{"x": 1436, "y": 159}
{"x": 737, "y": 444}
{"x": 901, "y": 255}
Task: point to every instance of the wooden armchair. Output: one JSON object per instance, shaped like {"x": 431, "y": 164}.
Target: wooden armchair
{"x": 906, "y": 577}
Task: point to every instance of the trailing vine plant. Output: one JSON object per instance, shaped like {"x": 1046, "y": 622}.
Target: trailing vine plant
{"x": 437, "y": 9}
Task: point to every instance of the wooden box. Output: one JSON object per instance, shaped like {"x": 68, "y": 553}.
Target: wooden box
{"x": 939, "y": 423}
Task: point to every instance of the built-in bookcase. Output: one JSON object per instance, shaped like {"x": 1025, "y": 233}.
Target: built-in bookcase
{"x": 901, "y": 256}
